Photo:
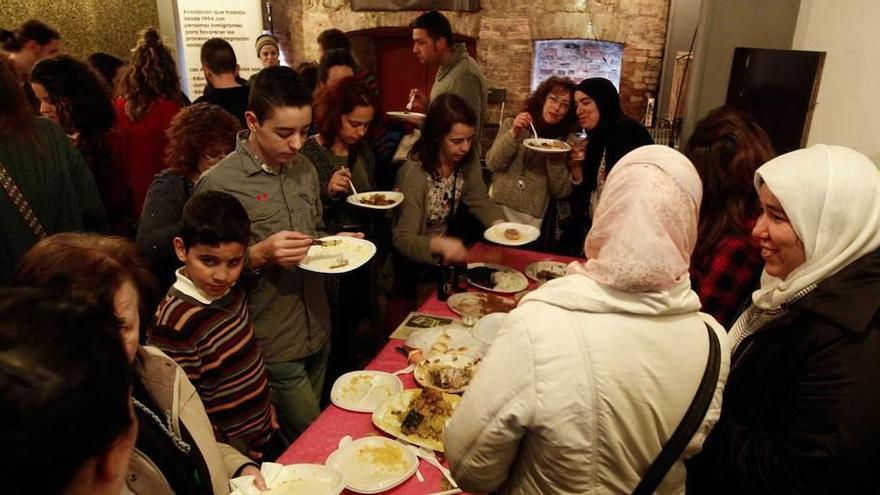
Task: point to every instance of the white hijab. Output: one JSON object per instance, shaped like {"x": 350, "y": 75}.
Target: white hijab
{"x": 645, "y": 226}
{"x": 831, "y": 195}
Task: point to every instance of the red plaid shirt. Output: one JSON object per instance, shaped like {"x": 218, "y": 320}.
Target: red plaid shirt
{"x": 726, "y": 280}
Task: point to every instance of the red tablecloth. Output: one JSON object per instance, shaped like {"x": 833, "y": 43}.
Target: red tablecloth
{"x": 322, "y": 436}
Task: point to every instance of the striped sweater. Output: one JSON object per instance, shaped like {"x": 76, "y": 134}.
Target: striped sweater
{"x": 215, "y": 346}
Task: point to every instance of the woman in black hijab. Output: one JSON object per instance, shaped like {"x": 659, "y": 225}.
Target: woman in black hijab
{"x": 611, "y": 135}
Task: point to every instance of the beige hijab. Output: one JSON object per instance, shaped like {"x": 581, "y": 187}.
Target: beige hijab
{"x": 831, "y": 195}
{"x": 645, "y": 225}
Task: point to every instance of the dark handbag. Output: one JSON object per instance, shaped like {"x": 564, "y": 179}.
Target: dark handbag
{"x": 20, "y": 202}
{"x": 689, "y": 425}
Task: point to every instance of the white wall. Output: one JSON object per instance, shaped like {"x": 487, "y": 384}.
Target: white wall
{"x": 848, "y": 105}
{"x": 725, "y": 25}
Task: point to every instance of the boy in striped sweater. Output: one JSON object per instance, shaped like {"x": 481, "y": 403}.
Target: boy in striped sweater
{"x": 204, "y": 325}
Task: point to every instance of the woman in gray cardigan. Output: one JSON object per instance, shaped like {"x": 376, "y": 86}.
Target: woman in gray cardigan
{"x": 523, "y": 181}
{"x": 442, "y": 175}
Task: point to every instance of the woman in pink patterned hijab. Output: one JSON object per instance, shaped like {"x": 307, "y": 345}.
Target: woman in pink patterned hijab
{"x": 645, "y": 226}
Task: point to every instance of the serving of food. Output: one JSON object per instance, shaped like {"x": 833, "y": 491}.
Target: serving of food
{"x": 373, "y": 464}
{"x": 542, "y": 145}
{"x": 511, "y": 234}
{"x": 377, "y": 200}
{"x": 446, "y": 373}
{"x": 479, "y": 304}
{"x": 337, "y": 254}
{"x": 453, "y": 340}
{"x": 496, "y": 278}
{"x": 542, "y": 271}
{"x": 363, "y": 391}
{"x": 417, "y": 416}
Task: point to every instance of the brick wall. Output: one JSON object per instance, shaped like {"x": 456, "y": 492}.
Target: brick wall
{"x": 576, "y": 60}
{"x": 506, "y": 31}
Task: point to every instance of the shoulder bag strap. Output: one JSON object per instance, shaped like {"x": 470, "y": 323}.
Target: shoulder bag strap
{"x": 20, "y": 203}
{"x": 689, "y": 425}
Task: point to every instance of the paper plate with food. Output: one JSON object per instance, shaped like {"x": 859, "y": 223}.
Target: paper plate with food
{"x": 363, "y": 391}
{"x": 337, "y": 254}
{"x": 542, "y": 271}
{"x": 511, "y": 234}
{"x": 542, "y": 145}
{"x": 452, "y": 340}
{"x": 446, "y": 373}
{"x": 417, "y": 416}
{"x": 414, "y": 117}
{"x": 496, "y": 278}
{"x": 313, "y": 479}
{"x": 373, "y": 464}
{"x": 479, "y": 304}
{"x": 378, "y": 200}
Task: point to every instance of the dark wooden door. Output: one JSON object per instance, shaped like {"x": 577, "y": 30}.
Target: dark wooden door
{"x": 778, "y": 87}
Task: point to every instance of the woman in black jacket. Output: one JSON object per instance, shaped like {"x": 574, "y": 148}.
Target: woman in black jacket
{"x": 611, "y": 135}
{"x": 801, "y": 413}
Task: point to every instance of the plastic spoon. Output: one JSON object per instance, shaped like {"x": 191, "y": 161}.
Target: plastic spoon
{"x": 429, "y": 456}
{"x": 533, "y": 129}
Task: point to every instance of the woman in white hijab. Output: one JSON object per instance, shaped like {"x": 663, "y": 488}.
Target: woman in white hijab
{"x": 801, "y": 410}
{"x": 593, "y": 372}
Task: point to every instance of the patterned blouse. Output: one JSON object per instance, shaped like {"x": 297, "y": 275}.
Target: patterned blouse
{"x": 444, "y": 194}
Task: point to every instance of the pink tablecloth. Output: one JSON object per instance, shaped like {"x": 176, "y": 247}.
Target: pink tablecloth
{"x": 322, "y": 437}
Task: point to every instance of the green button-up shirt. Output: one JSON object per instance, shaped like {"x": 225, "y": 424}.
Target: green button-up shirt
{"x": 288, "y": 306}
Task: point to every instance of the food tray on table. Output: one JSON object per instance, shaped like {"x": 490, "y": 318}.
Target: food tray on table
{"x": 479, "y": 304}
{"x": 446, "y": 373}
{"x": 373, "y": 464}
{"x": 399, "y": 416}
{"x": 364, "y": 391}
{"x": 543, "y": 271}
{"x": 496, "y": 278}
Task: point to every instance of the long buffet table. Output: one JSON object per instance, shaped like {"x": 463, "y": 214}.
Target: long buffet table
{"x": 323, "y": 435}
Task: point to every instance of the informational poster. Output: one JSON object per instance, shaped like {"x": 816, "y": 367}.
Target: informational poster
{"x": 239, "y": 22}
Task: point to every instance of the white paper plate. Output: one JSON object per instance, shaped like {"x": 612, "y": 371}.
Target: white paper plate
{"x": 385, "y": 419}
{"x": 292, "y": 479}
{"x": 515, "y": 280}
{"x": 363, "y": 391}
{"x": 357, "y": 199}
{"x": 542, "y": 145}
{"x": 414, "y": 117}
{"x": 527, "y": 234}
{"x": 321, "y": 258}
{"x": 474, "y": 303}
{"x": 365, "y": 472}
{"x": 487, "y": 327}
{"x": 423, "y": 376}
{"x": 557, "y": 268}
{"x": 452, "y": 340}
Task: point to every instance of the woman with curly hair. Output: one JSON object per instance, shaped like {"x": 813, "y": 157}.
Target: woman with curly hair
{"x": 150, "y": 98}
{"x": 198, "y": 137}
{"x": 524, "y": 181}
{"x": 74, "y": 97}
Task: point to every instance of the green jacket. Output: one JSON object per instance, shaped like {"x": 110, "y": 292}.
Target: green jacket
{"x": 411, "y": 236}
{"x": 288, "y": 306}
{"x": 463, "y": 77}
{"x": 57, "y": 184}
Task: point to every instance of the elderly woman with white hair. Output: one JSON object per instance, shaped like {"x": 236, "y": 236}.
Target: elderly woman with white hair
{"x": 592, "y": 374}
{"x": 801, "y": 409}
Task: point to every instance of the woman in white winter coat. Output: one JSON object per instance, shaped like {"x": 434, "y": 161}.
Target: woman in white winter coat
{"x": 593, "y": 372}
